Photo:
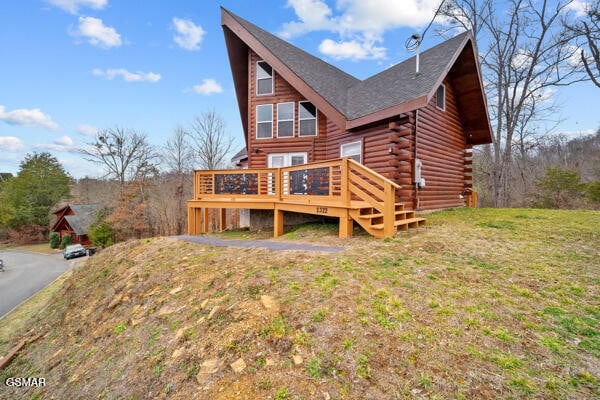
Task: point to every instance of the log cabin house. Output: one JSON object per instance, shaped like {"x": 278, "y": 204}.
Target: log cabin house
{"x": 75, "y": 220}
{"x": 322, "y": 142}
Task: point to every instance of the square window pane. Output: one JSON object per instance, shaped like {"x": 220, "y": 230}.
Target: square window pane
{"x": 264, "y": 113}
{"x": 285, "y": 111}
{"x": 264, "y": 130}
{"x": 308, "y": 127}
{"x": 297, "y": 160}
{"x": 307, "y": 110}
{"x": 265, "y": 86}
{"x": 285, "y": 129}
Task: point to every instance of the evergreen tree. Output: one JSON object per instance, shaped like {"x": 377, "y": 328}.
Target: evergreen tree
{"x": 40, "y": 184}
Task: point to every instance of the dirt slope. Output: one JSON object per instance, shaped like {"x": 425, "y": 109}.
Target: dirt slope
{"x": 464, "y": 309}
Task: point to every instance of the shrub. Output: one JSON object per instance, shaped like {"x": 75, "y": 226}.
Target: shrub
{"x": 101, "y": 234}
{"x": 54, "y": 240}
{"x": 558, "y": 188}
{"x": 66, "y": 240}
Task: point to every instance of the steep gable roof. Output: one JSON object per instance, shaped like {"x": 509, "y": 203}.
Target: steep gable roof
{"x": 350, "y": 102}
{"x": 84, "y": 215}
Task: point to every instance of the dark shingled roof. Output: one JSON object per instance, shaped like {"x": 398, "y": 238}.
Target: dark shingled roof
{"x": 355, "y": 98}
{"x": 400, "y": 83}
{"x": 85, "y": 214}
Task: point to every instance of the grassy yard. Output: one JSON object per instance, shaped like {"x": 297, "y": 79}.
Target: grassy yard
{"x": 480, "y": 304}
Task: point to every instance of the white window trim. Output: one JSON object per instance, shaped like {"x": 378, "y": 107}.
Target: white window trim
{"x": 287, "y": 120}
{"x": 287, "y": 158}
{"x": 306, "y": 119}
{"x": 436, "y": 97}
{"x": 360, "y": 154}
{"x": 258, "y": 122}
{"x": 272, "y": 79}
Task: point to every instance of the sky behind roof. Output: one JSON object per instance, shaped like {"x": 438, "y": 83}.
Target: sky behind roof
{"x": 72, "y": 67}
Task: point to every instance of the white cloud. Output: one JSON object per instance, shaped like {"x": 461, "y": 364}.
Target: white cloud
{"x": 97, "y": 33}
{"x": 208, "y": 86}
{"x": 313, "y": 15}
{"x": 189, "y": 35}
{"x": 23, "y": 117}
{"x": 64, "y": 141}
{"x": 87, "y": 130}
{"x": 579, "y": 7}
{"x": 127, "y": 76}
{"x": 11, "y": 143}
{"x": 72, "y": 6}
{"x": 352, "y": 50}
{"x": 360, "y": 24}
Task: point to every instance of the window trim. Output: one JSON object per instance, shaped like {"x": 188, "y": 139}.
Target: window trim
{"x": 272, "y": 79}
{"x": 360, "y": 153}
{"x": 287, "y": 158}
{"x": 264, "y": 122}
{"x": 443, "y": 108}
{"x": 307, "y": 119}
{"x": 287, "y": 120}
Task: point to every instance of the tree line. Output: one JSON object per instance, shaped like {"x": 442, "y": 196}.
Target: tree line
{"x": 144, "y": 191}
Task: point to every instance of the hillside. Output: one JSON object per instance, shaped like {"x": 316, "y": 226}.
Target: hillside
{"x": 480, "y": 304}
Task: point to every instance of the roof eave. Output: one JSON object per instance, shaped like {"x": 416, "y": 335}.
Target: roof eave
{"x": 389, "y": 112}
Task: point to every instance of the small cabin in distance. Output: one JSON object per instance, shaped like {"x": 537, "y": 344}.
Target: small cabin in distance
{"x": 408, "y": 134}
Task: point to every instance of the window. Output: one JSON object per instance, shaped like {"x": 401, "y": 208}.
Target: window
{"x": 440, "y": 95}
{"x": 264, "y": 121}
{"x": 264, "y": 78}
{"x": 352, "y": 150}
{"x": 285, "y": 120}
{"x": 279, "y": 160}
{"x": 307, "y": 116}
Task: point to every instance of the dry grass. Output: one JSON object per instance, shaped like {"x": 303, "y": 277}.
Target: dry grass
{"x": 41, "y": 248}
{"x": 481, "y": 304}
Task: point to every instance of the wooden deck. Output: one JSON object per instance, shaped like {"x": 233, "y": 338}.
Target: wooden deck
{"x": 340, "y": 188}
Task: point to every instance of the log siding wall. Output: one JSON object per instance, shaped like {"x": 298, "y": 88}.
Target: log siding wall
{"x": 441, "y": 148}
{"x": 259, "y": 149}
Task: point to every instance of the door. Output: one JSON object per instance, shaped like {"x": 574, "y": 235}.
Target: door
{"x": 281, "y": 160}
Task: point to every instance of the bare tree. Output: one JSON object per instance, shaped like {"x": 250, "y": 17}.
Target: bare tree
{"x": 525, "y": 58}
{"x": 125, "y": 154}
{"x": 586, "y": 32}
{"x": 210, "y": 141}
{"x": 178, "y": 157}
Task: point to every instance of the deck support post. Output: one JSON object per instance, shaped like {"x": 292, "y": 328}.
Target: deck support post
{"x": 205, "y": 220}
{"x": 222, "y": 219}
{"x": 191, "y": 221}
{"x": 346, "y": 225}
{"x": 389, "y": 210}
{"x": 278, "y": 223}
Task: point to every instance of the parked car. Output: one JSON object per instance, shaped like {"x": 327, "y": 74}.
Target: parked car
{"x": 74, "y": 250}
{"x": 1, "y": 266}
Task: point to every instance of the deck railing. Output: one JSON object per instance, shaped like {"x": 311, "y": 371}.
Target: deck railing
{"x": 336, "y": 181}
{"x": 340, "y": 182}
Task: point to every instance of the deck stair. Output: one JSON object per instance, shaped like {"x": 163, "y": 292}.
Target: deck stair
{"x": 372, "y": 221}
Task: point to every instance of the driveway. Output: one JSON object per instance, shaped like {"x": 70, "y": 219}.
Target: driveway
{"x": 27, "y": 273}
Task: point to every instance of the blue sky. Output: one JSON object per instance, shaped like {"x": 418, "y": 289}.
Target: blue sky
{"x": 71, "y": 67}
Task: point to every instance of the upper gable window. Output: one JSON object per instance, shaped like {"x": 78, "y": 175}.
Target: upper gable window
{"x": 264, "y": 121}
{"x": 440, "y": 96}
{"x": 307, "y": 117}
{"x": 264, "y": 78}
{"x": 285, "y": 120}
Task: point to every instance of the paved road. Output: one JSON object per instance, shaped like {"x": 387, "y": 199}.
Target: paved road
{"x": 27, "y": 273}
{"x": 268, "y": 244}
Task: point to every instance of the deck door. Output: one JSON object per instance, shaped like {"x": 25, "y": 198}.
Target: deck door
{"x": 280, "y": 160}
